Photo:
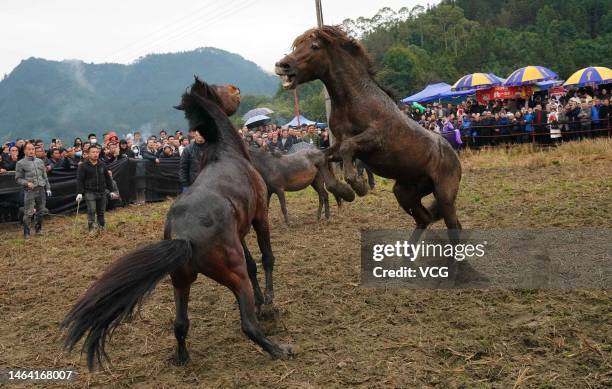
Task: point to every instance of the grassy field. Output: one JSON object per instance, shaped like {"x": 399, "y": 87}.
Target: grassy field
{"x": 345, "y": 335}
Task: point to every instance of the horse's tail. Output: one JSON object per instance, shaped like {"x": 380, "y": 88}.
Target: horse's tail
{"x": 113, "y": 297}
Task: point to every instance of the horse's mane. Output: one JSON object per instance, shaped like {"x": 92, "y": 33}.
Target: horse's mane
{"x": 336, "y": 36}
{"x": 202, "y": 106}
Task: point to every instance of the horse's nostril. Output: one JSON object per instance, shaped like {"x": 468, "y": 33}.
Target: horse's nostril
{"x": 283, "y": 65}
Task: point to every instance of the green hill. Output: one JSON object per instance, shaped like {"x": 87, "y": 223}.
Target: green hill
{"x": 51, "y": 98}
{"x": 417, "y": 46}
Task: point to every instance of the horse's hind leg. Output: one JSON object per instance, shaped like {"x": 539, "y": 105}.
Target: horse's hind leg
{"x": 181, "y": 280}
{"x": 446, "y": 194}
{"x": 252, "y": 269}
{"x": 283, "y": 205}
{"x": 409, "y": 198}
{"x": 319, "y": 187}
{"x": 232, "y": 273}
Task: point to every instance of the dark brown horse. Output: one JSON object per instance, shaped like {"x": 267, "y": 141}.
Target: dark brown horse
{"x": 204, "y": 232}
{"x": 294, "y": 172}
{"x": 368, "y": 125}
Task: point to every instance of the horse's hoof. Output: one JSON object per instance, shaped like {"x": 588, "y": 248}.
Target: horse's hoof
{"x": 268, "y": 297}
{"x": 181, "y": 359}
{"x": 359, "y": 186}
{"x": 285, "y": 351}
{"x": 343, "y": 191}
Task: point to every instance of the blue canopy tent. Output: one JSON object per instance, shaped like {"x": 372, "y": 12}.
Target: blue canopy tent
{"x": 433, "y": 92}
{"x": 303, "y": 120}
{"x": 548, "y": 84}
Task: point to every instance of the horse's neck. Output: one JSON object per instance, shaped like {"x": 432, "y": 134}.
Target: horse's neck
{"x": 351, "y": 87}
{"x": 232, "y": 143}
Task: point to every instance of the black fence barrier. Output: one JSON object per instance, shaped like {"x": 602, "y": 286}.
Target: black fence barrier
{"x": 491, "y": 134}
{"x": 157, "y": 180}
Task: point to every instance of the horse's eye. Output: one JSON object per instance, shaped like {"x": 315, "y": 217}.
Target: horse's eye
{"x": 314, "y": 46}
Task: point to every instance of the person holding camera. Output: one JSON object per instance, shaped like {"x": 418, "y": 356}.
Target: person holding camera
{"x": 30, "y": 172}
{"x": 93, "y": 179}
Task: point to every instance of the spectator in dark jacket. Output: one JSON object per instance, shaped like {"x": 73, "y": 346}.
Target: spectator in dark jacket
{"x": 55, "y": 160}
{"x": 124, "y": 149}
{"x": 572, "y": 117}
{"x": 604, "y": 113}
{"x": 10, "y": 163}
{"x": 150, "y": 152}
{"x": 110, "y": 153}
{"x": 93, "y": 179}
{"x": 190, "y": 161}
{"x": 285, "y": 141}
{"x": 69, "y": 162}
{"x": 168, "y": 153}
{"x": 540, "y": 118}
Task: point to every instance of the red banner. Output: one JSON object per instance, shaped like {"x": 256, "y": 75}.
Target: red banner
{"x": 557, "y": 91}
{"x": 503, "y": 93}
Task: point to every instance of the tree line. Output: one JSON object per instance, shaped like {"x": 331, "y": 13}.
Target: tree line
{"x": 413, "y": 47}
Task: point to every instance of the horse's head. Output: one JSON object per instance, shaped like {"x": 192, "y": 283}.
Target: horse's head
{"x": 313, "y": 54}
{"x": 230, "y": 98}
{"x": 207, "y": 108}
{"x": 227, "y": 97}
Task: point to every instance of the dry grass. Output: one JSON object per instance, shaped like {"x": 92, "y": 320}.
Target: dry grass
{"x": 570, "y": 154}
{"x": 347, "y": 336}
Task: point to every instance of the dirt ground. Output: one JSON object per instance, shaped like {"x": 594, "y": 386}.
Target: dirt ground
{"x": 346, "y": 336}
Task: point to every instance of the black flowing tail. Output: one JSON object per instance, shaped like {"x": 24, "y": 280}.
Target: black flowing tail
{"x": 113, "y": 297}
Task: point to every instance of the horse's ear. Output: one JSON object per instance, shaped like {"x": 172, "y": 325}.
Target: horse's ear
{"x": 197, "y": 80}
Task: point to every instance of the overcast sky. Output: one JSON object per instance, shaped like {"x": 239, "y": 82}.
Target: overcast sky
{"x": 121, "y": 31}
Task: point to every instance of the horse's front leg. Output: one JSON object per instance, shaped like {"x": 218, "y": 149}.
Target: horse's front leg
{"x": 361, "y": 143}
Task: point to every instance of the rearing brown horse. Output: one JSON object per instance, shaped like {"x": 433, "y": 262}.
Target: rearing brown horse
{"x": 204, "y": 233}
{"x": 368, "y": 125}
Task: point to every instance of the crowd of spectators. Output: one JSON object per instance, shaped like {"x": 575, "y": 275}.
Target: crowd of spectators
{"x": 272, "y": 137}
{"x": 580, "y": 114}
{"x": 58, "y": 155}
{"x": 583, "y": 113}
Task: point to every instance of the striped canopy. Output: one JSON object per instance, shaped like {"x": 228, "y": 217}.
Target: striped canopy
{"x": 530, "y": 75}
{"x": 589, "y": 76}
{"x": 477, "y": 81}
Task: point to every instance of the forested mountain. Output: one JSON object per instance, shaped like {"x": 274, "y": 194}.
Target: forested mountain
{"x": 49, "y": 98}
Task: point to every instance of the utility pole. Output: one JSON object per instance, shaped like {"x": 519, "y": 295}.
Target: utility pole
{"x": 327, "y": 99}
{"x": 319, "y": 13}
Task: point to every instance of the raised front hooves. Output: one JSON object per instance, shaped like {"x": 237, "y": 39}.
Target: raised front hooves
{"x": 342, "y": 190}
{"x": 283, "y": 351}
{"x": 359, "y": 185}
